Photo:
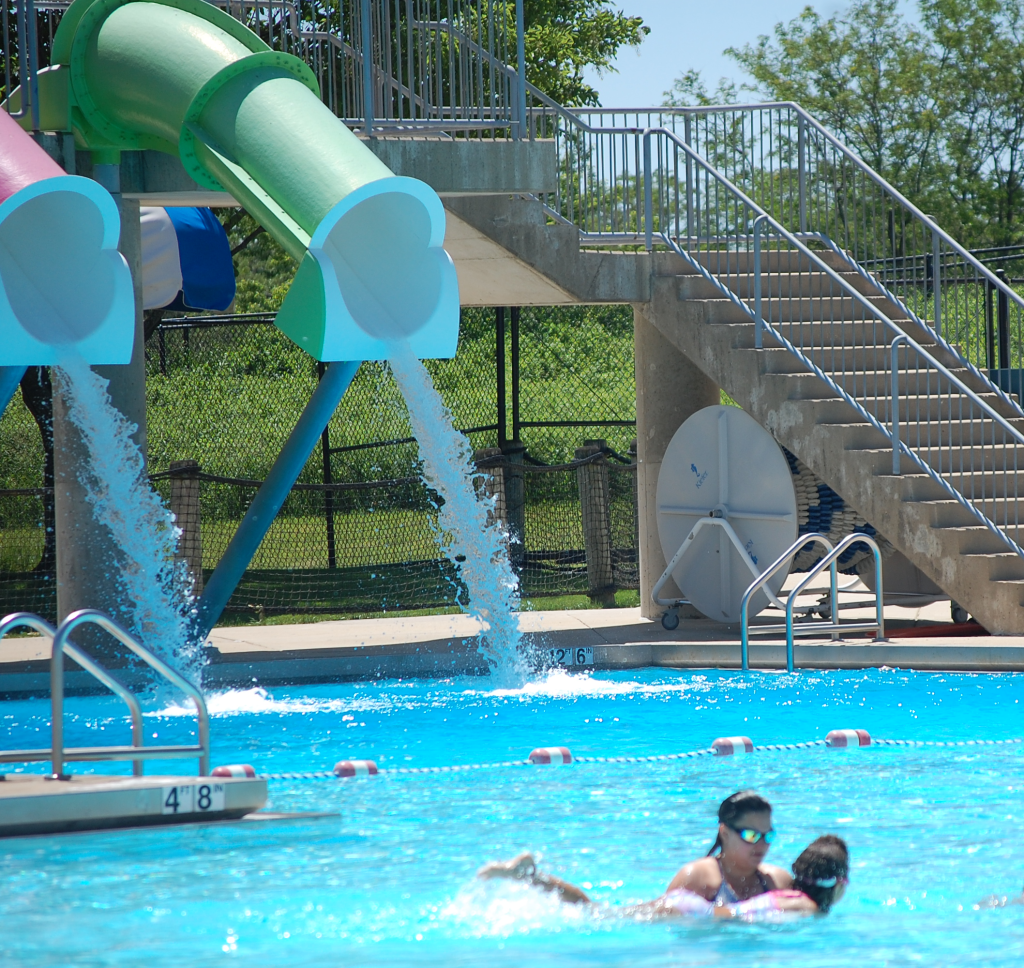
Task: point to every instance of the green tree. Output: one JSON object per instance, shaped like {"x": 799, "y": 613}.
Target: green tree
{"x": 565, "y": 37}
{"x": 868, "y": 76}
{"x": 937, "y": 109}
{"x": 979, "y": 81}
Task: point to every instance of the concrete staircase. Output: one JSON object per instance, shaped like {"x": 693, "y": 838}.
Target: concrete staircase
{"x": 918, "y": 515}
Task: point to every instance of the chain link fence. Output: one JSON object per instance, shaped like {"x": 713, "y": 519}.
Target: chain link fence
{"x": 356, "y": 535}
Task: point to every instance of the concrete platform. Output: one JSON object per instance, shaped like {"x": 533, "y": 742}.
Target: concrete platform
{"x": 445, "y": 645}
{"x": 34, "y": 804}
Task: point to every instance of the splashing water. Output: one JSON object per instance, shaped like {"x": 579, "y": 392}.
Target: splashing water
{"x": 466, "y": 524}
{"x": 155, "y": 588}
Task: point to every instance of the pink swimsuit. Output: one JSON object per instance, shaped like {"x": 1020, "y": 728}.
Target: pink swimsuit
{"x": 761, "y": 907}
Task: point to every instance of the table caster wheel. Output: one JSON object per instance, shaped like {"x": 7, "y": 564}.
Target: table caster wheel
{"x": 670, "y": 620}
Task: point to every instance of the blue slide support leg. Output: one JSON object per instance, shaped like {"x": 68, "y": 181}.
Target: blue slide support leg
{"x": 271, "y": 495}
{"x": 10, "y": 377}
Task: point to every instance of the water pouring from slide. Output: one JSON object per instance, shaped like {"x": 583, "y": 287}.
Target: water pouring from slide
{"x": 467, "y": 530}
{"x": 155, "y": 588}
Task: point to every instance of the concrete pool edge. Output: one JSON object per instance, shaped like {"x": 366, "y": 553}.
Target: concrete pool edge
{"x": 444, "y": 646}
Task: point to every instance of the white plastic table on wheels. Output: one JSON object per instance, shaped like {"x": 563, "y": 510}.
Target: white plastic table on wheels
{"x": 722, "y": 464}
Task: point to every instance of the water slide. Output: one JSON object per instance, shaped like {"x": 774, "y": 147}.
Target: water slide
{"x": 183, "y": 77}
{"x": 63, "y": 284}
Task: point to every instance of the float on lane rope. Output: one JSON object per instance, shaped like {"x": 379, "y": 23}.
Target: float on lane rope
{"x": 556, "y": 755}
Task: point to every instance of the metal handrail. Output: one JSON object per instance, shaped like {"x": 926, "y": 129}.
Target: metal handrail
{"x": 835, "y": 626}
{"x": 801, "y": 542}
{"x": 809, "y": 119}
{"x": 40, "y": 625}
{"x": 858, "y": 297}
{"x": 763, "y": 217}
{"x": 92, "y": 616}
{"x": 28, "y": 68}
{"x": 137, "y": 752}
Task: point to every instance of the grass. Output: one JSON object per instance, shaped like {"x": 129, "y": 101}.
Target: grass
{"x": 623, "y": 599}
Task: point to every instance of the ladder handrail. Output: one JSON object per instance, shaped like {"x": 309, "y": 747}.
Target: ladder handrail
{"x": 829, "y": 561}
{"x": 791, "y": 552}
{"x": 93, "y": 616}
{"x": 137, "y": 752}
{"x": 40, "y": 625}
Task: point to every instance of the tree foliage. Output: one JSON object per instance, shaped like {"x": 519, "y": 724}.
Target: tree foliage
{"x": 937, "y": 109}
{"x": 565, "y": 37}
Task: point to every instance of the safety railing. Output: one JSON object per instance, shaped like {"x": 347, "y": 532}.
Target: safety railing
{"x": 834, "y": 321}
{"x": 434, "y": 66}
{"x": 833, "y": 626}
{"x": 138, "y": 752}
{"x": 789, "y": 165}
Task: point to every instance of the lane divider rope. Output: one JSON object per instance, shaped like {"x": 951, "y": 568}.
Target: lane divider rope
{"x": 560, "y": 755}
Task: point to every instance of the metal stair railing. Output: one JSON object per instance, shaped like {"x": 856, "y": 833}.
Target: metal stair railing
{"x": 436, "y": 67}
{"x": 138, "y": 752}
{"x": 837, "y": 333}
{"x": 788, "y": 163}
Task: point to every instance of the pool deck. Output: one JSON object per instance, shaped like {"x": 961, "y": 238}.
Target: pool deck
{"x": 446, "y": 645}
{"x": 30, "y": 803}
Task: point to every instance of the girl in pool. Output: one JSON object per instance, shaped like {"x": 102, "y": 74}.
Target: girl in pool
{"x": 820, "y": 876}
{"x": 731, "y": 880}
{"x": 733, "y": 871}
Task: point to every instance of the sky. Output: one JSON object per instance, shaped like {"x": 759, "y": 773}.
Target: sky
{"x": 689, "y": 34}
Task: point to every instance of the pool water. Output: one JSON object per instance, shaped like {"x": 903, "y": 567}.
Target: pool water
{"x": 390, "y": 880}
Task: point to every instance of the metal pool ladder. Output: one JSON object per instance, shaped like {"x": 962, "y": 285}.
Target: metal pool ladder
{"x": 138, "y": 753}
{"x": 833, "y": 626}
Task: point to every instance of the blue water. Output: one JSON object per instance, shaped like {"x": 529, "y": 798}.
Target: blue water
{"x": 390, "y": 880}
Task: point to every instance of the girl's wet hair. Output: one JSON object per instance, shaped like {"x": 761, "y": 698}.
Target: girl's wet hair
{"x": 820, "y": 869}
{"x": 736, "y": 806}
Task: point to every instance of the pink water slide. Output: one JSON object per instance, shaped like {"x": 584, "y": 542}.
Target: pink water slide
{"x": 64, "y": 287}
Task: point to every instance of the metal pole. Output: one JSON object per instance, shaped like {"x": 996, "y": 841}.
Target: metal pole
{"x": 801, "y": 161}
{"x": 33, "y": 54}
{"x": 879, "y": 594}
{"x": 648, "y": 195}
{"x": 325, "y": 453}
{"x": 499, "y": 359}
{"x": 758, "y": 321}
{"x": 521, "y": 74}
{"x": 367, "y": 43}
{"x": 271, "y": 495}
{"x": 1003, "y": 324}
{"x": 57, "y": 708}
{"x": 937, "y": 282}
{"x": 687, "y": 131}
{"x": 516, "y": 427}
{"x": 895, "y": 384}
{"x": 990, "y": 331}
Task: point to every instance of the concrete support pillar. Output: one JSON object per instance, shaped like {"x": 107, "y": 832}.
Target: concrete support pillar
{"x": 185, "y": 508}
{"x": 87, "y": 559}
{"x": 669, "y": 388}
{"x": 595, "y": 501}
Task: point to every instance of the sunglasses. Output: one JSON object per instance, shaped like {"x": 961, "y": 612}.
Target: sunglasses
{"x": 750, "y": 836}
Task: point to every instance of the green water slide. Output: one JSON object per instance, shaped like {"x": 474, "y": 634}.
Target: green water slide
{"x": 182, "y": 77}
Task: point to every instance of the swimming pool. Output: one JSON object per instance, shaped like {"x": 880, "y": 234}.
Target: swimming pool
{"x": 390, "y": 881}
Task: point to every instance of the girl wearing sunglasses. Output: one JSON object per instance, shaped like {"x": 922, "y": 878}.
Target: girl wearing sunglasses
{"x": 820, "y": 877}
{"x": 731, "y": 881}
{"x": 734, "y": 869}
